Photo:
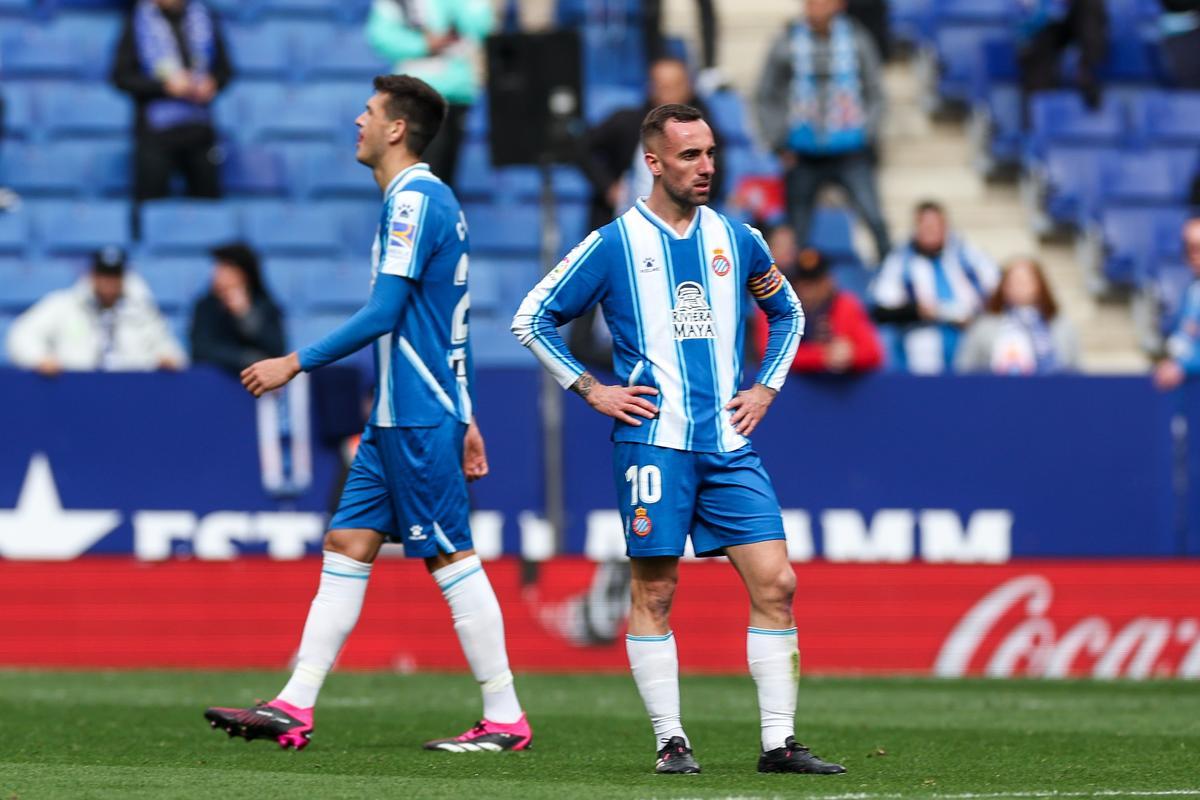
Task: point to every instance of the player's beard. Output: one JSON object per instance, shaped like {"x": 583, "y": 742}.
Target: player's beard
{"x": 686, "y": 194}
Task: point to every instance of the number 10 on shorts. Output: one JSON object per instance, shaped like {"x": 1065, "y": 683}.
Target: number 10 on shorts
{"x": 645, "y": 484}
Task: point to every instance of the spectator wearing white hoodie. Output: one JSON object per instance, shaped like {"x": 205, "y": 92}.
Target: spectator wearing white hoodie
{"x": 106, "y": 322}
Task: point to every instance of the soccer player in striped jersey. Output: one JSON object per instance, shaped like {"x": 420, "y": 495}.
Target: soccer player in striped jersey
{"x": 408, "y": 482}
{"x": 672, "y": 278}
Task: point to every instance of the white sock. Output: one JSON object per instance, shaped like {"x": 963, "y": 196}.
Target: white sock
{"x": 775, "y": 664}
{"x": 480, "y": 628}
{"x": 655, "y": 664}
{"x": 331, "y": 617}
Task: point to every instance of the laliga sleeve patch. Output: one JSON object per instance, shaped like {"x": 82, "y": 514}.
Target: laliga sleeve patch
{"x": 404, "y": 229}
{"x": 560, "y": 269}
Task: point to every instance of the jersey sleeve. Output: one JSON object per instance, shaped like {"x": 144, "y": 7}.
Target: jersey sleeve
{"x": 413, "y": 229}
{"x": 575, "y": 284}
{"x": 785, "y": 317}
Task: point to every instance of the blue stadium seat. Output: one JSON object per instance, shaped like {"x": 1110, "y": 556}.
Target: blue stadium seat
{"x": 81, "y": 227}
{"x": 1165, "y": 118}
{"x": 962, "y": 64}
{"x": 16, "y": 8}
{"x": 332, "y": 171}
{"x": 1070, "y": 178}
{"x": 349, "y": 11}
{"x": 110, "y": 168}
{"x": 97, "y": 33}
{"x": 854, "y": 278}
{"x": 493, "y": 345}
{"x": 14, "y": 230}
{"x": 259, "y": 51}
{"x": 504, "y": 229}
{"x": 1061, "y": 117}
{"x": 831, "y": 233}
{"x": 18, "y": 111}
{"x": 973, "y": 12}
{"x": 476, "y": 123}
{"x": 475, "y": 179}
{"x": 345, "y": 55}
{"x": 287, "y": 229}
{"x": 729, "y": 117}
{"x": 305, "y": 329}
{"x": 572, "y": 226}
{"x": 337, "y": 288}
{"x": 36, "y": 51}
{"x": 911, "y": 20}
{"x": 43, "y": 171}
{"x": 287, "y": 279}
{"x": 1130, "y": 59}
{"x": 317, "y": 113}
{"x": 175, "y": 282}
{"x": 1143, "y": 178}
{"x": 190, "y": 227}
{"x": 1137, "y": 238}
{"x": 602, "y": 99}
{"x": 240, "y": 10}
{"x": 1002, "y": 112}
{"x": 84, "y": 111}
{"x": 35, "y": 280}
{"x": 253, "y": 170}
{"x": 358, "y": 220}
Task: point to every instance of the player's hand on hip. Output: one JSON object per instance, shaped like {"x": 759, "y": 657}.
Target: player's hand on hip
{"x": 625, "y": 403}
{"x": 475, "y": 465}
{"x": 269, "y": 374}
{"x": 749, "y": 407}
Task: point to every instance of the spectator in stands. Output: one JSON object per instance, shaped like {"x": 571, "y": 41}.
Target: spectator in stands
{"x": 873, "y": 16}
{"x": 931, "y": 288}
{"x": 1022, "y": 332}
{"x": 237, "y": 322}
{"x": 1046, "y": 28}
{"x": 1180, "y": 26}
{"x": 1183, "y": 347}
{"x": 656, "y": 46}
{"x": 172, "y": 61}
{"x": 440, "y": 42}
{"x": 612, "y": 156}
{"x": 838, "y": 334}
{"x": 825, "y": 71}
{"x": 107, "y": 321}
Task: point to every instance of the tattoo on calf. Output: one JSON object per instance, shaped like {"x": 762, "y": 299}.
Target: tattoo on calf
{"x": 583, "y": 387}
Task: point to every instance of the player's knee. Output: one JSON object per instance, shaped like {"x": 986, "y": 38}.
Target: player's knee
{"x": 654, "y": 597}
{"x": 351, "y": 544}
{"x": 777, "y": 592}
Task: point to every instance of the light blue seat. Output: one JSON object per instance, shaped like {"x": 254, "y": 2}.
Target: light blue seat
{"x": 187, "y": 227}
{"x": 81, "y": 227}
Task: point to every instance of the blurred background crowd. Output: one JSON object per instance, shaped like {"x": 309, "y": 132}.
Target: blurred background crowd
{"x": 1004, "y": 186}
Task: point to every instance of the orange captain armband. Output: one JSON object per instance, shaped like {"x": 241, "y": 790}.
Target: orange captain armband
{"x": 766, "y": 284}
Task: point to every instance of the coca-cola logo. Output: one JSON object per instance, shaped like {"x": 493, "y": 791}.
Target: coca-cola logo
{"x": 1012, "y": 631}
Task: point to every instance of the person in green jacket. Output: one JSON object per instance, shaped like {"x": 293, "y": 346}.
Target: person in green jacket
{"x": 440, "y": 42}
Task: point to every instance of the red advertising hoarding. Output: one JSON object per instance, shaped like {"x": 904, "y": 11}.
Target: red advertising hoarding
{"x": 1136, "y": 619}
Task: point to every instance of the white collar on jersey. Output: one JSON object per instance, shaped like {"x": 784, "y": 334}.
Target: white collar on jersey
{"x": 403, "y": 177}
{"x": 654, "y": 219}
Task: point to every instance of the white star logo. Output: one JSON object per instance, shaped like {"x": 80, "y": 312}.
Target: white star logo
{"x": 39, "y": 527}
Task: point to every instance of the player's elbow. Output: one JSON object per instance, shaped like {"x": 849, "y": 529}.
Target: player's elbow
{"x": 524, "y": 327}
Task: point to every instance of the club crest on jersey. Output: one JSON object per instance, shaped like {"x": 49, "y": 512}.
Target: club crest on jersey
{"x": 692, "y": 316}
{"x": 641, "y": 524}
{"x": 721, "y": 263}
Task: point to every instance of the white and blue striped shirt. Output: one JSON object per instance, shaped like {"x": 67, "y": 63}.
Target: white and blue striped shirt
{"x": 676, "y": 306}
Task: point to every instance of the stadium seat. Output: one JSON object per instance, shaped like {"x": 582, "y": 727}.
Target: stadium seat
{"x": 1168, "y": 283}
{"x": 504, "y": 229}
{"x": 348, "y": 11}
{"x": 493, "y": 345}
{"x": 346, "y": 56}
{"x": 1070, "y": 181}
{"x": 1130, "y": 59}
{"x": 475, "y": 178}
{"x": 175, "y": 282}
{"x": 854, "y": 278}
{"x": 35, "y": 281}
{"x": 729, "y": 117}
{"x": 572, "y": 225}
{"x": 253, "y": 170}
{"x": 911, "y": 20}
{"x": 14, "y": 230}
{"x": 1001, "y": 112}
{"x": 110, "y": 168}
{"x": 259, "y": 51}
{"x": 84, "y": 111}
{"x": 187, "y": 227}
{"x": 287, "y": 229}
{"x": 81, "y": 227}
{"x": 42, "y": 52}
{"x": 43, "y": 171}
{"x": 287, "y": 278}
{"x": 317, "y": 112}
{"x": 332, "y": 171}
{"x": 831, "y": 233}
{"x": 1168, "y": 118}
{"x": 18, "y": 110}
{"x": 476, "y": 124}
{"x": 961, "y": 59}
{"x": 973, "y": 12}
{"x": 358, "y": 220}
{"x": 602, "y": 99}
{"x": 1143, "y": 178}
{"x": 336, "y": 287}
{"x": 1135, "y": 239}
{"x": 1060, "y": 117}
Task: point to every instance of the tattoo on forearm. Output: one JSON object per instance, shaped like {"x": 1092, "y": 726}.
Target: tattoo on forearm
{"x": 583, "y": 387}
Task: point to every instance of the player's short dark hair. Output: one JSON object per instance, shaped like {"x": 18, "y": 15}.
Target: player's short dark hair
{"x": 417, "y": 103}
{"x": 656, "y": 121}
{"x": 930, "y": 206}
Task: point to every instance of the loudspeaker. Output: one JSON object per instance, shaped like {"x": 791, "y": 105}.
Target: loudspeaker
{"x": 535, "y": 97}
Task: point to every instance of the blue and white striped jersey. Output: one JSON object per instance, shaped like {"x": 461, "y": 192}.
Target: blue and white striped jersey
{"x": 676, "y": 306}
{"x": 423, "y": 367}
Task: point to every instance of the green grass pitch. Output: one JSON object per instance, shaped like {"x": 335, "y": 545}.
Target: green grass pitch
{"x": 141, "y": 735}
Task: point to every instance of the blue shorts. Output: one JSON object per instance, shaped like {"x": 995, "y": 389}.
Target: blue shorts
{"x": 719, "y": 499}
{"x": 408, "y": 484}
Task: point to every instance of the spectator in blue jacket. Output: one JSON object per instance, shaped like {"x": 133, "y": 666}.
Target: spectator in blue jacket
{"x": 931, "y": 288}
{"x": 1183, "y": 346}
